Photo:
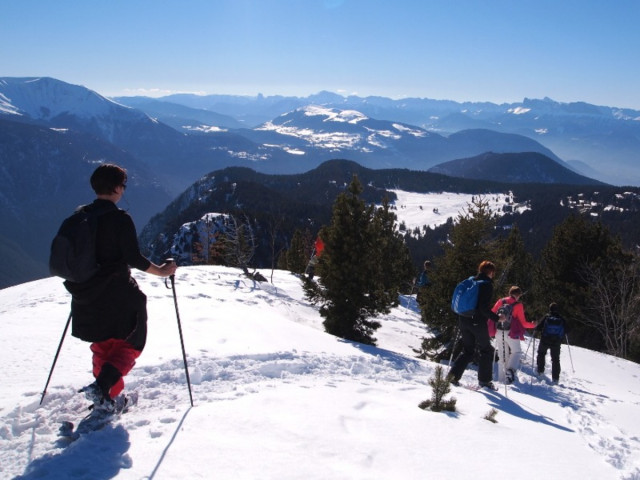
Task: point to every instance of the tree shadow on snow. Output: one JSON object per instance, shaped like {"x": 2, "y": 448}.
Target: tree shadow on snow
{"x": 505, "y": 404}
{"x": 97, "y": 455}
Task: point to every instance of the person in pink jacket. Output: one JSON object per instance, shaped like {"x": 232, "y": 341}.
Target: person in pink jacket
{"x": 508, "y": 333}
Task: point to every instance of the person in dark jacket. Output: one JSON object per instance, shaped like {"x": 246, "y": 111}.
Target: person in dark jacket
{"x": 423, "y": 278}
{"x": 423, "y": 283}
{"x": 552, "y": 329}
{"x": 475, "y": 333}
{"x": 109, "y": 310}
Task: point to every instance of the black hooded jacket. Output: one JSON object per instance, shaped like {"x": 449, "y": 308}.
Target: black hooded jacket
{"x": 485, "y": 300}
{"x": 110, "y": 305}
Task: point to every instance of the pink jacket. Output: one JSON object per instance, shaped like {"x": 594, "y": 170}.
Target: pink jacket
{"x": 518, "y": 320}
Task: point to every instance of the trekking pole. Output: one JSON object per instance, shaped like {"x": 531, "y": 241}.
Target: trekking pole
{"x": 504, "y": 362}
{"x": 184, "y": 355}
{"x": 413, "y": 287}
{"x": 55, "y": 359}
{"x": 453, "y": 347}
{"x": 533, "y": 358}
{"x": 569, "y": 348}
{"x": 528, "y": 345}
{"x": 493, "y": 362}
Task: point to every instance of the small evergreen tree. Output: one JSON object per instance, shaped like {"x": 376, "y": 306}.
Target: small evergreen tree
{"x": 359, "y": 269}
{"x": 440, "y": 388}
{"x": 491, "y": 416}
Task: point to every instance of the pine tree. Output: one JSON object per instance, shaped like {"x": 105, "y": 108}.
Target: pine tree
{"x": 299, "y": 251}
{"x": 470, "y": 242}
{"x": 516, "y": 265}
{"x": 392, "y": 263}
{"x": 440, "y": 388}
{"x": 579, "y": 265}
{"x": 239, "y": 244}
{"x": 360, "y": 269}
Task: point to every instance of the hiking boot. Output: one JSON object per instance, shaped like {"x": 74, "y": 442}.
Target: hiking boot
{"x": 100, "y": 403}
{"x": 122, "y": 402}
{"x": 488, "y": 385}
{"x": 105, "y": 407}
{"x": 453, "y": 380}
{"x": 93, "y": 393}
{"x": 511, "y": 376}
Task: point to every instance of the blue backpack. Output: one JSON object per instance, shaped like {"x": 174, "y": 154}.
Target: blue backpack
{"x": 465, "y": 297}
{"x": 553, "y": 327}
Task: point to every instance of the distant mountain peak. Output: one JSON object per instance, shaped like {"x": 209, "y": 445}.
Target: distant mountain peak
{"x": 43, "y": 98}
{"x": 522, "y": 167}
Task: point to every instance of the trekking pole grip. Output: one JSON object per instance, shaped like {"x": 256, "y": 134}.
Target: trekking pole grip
{"x": 171, "y": 277}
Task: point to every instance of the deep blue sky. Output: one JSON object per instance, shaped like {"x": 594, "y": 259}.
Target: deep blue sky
{"x": 477, "y": 50}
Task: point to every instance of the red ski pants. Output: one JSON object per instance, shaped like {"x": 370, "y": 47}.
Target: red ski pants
{"x": 118, "y": 353}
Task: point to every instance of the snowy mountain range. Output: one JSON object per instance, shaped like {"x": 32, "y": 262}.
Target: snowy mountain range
{"x": 602, "y": 142}
{"x": 52, "y": 134}
{"x": 294, "y": 141}
{"x": 379, "y": 143}
{"x": 275, "y": 397}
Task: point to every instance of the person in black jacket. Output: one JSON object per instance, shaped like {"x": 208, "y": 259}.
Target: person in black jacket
{"x": 552, "y": 329}
{"x": 423, "y": 283}
{"x": 474, "y": 332}
{"x": 109, "y": 310}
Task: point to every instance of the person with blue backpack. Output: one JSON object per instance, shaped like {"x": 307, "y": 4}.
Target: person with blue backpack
{"x": 552, "y": 329}
{"x": 472, "y": 323}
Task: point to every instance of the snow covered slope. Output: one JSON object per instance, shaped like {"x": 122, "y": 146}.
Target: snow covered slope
{"x": 277, "y": 398}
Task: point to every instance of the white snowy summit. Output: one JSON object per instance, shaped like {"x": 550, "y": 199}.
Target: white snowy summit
{"x": 335, "y": 129}
{"x": 45, "y": 98}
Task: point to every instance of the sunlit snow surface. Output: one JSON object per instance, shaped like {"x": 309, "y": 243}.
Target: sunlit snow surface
{"x": 277, "y": 398}
{"x": 416, "y": 210}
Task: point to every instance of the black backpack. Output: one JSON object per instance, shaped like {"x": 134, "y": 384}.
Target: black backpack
{"x": 553, "y": 327}
{"x": 73, "y": 249}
